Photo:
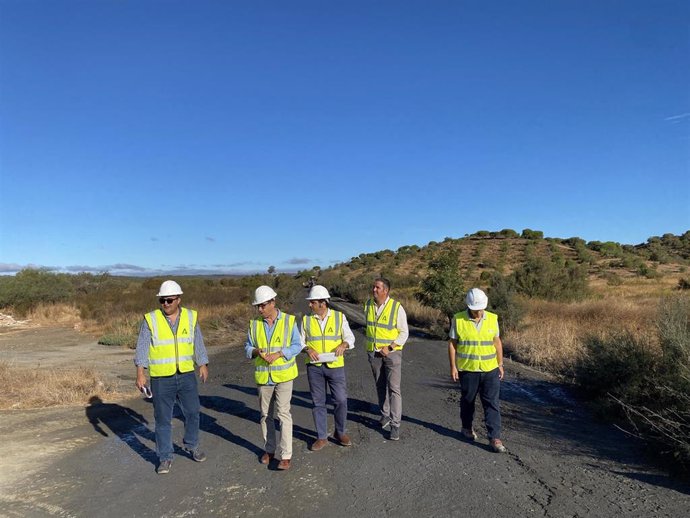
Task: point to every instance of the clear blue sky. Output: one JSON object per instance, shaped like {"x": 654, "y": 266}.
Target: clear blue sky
{"x": 226, "y": 136}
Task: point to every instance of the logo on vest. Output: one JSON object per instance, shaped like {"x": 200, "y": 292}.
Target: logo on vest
{"x": 330, "y": 330}
{"x": 184, "y": 331}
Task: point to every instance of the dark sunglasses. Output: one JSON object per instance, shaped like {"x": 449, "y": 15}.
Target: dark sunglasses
{"x": 163, "y": 300}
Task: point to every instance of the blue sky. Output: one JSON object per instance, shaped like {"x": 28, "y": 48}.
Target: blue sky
{"x": 226, "y": 136}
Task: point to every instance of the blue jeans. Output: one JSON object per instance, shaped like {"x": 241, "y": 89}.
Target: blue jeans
{"x": 320, "y": 377}
{"x": 488, "y": 386}
{"x": 183, "y": 389}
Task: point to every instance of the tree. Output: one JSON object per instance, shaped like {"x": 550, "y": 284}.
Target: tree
{"x": 443, "y": 288}
{"x": 272, "y": 270}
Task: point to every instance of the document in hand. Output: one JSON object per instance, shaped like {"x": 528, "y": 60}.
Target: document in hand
{"x": 325, "y": 357}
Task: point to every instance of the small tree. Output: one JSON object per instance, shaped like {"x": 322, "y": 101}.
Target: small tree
{"x": 271, "y": 270}
{"x": 443, "y": 288}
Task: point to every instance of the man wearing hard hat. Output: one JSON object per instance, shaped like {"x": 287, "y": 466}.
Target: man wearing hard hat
{"x": 387, "y": 333}
{"x": 169, "y": 345}
{"x": 326, "y": 335}
{"x": 475, "y": 353}
{"x": 273, "y": 341}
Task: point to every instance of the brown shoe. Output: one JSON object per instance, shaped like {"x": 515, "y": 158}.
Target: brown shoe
{"x": 266, "y": 458}
{"x": 343, "y": 440}
{"x": 318, "y": 444}
{"x": 468, "y": 435}
{"x": 284, "y": 464}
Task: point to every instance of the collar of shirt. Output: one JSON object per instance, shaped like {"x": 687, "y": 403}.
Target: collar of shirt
{"x": 328, "y": 312}
{"x": 278, "y": 317}
{"x": 380, "y": 308}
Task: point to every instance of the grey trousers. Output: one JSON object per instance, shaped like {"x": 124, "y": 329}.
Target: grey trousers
{"x": 274, "y": 401}
{"x": 387, "y": 374}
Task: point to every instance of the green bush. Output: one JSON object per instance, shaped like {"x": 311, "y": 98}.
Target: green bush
{"x": 443, "y": 288}
{"x": 504, "y": 302}
{"x": 30, "y": 287}
{"x": 538, "y": 277}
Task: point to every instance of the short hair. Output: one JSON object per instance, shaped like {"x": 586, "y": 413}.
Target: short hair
{"x": 384, "y": 281}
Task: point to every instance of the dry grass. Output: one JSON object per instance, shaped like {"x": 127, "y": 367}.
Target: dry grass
{"x": 553, "y": 334}
{"x": 39, "y": 388}
{"x": 60, "y": 314}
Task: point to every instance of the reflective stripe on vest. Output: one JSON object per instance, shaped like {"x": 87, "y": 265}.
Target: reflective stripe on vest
{"x": 475, "y": 350}
{"x": 381, "y": 330}
{"x": 168, "y": 352}
{"x": 324, "y": 341}
{"x": 280, "y": 370}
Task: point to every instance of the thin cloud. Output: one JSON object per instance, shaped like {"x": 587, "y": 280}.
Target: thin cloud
{"x": 10, "y": 267}
{"x": 678, "y": 118}
{"x": 154, "y": 239}
{"x": 298, "y": 260}
{"x": 210, "y": 239}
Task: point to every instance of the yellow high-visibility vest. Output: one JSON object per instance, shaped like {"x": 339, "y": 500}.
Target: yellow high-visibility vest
{"x": 170, "y": 352}
{"x": 280, "y": 370}
{"x": 325, "y": 341}
{"x": 381, "y": 330}
{"x": 475, "y": 350}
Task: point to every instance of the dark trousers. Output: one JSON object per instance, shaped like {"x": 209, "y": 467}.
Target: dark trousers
{"x": 180, "y": 388}
{"x": 320, "y": 378}
{"x": 488, "y": 386}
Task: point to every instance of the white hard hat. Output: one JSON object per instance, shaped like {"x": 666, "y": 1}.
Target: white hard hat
{"x": 476, "y": 299}
{"x": 169, "y": 288}
{"x": 318, "y": 292}
{"x": 263, "y": 294}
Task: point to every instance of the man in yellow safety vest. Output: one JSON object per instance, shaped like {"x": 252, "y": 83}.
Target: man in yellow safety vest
{"x": 169, "y": 345}
{"x": 475, "y": 353}
{"x": 273, "y": 341}
{"x": 326, "y": 335}
{"x": 387, "y": 333}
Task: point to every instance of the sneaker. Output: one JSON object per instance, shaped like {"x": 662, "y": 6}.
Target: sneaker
{"x": 164, "y": 467}
{"x": 385, "y": 422}
{"x": 395, "y": 433}
{"x": 197, "y": 454}
{"x": 497, "y": 446}
{"x": 468, "y": 435}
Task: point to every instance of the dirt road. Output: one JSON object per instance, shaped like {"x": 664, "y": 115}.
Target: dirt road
{"x": 560, "y": 461}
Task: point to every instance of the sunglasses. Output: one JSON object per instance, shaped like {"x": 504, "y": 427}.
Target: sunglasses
{"x": 163, "y": 300}
{"x": 264, "y": 304}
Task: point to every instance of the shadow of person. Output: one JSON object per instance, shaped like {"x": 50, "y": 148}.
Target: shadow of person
{"x": 129, "y": 426}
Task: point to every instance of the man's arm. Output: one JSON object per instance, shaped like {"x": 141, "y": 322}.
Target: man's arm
{"x": 141, "y": 356}
{"x": 499, "y": 355}
{"x": 403, "y": 330}
{"x": 452, "y": 345}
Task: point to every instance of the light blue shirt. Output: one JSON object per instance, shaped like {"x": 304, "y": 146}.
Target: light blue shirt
{"x": 289, "y": 352}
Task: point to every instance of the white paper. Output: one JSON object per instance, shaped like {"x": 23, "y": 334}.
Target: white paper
{"x": 326, "y": 357}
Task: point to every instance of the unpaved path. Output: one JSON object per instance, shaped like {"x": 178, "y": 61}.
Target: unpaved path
{"x": 560, "y": 461}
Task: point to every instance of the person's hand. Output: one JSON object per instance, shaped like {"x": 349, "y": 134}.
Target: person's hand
{"x": 141, "y": 381}
{"x": 385, "y": 351}
{"x": 313, "y": 355}
{"x": 454, "y": 373}
{"x": 203, "y": 373}
{"x": 501, "y": 372}
{"x": 340, "y": 350}
{"x": 270, "y": 358}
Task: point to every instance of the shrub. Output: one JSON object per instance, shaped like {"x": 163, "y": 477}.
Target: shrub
{"x": 30, "y": 287}
{"x": 532, "y": 234}
{"x": 538, "y": 277}
{"x": 503, "y": 301}
{"x": 443, "y": 288}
